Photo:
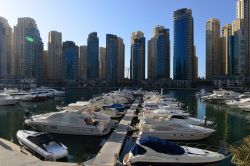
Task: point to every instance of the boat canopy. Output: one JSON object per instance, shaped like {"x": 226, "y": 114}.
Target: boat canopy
{"x": 162, "y": 146}
{"x": 116, "y": 106}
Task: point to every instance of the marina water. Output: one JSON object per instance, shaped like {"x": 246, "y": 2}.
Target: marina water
{"x": 232, "y": 124}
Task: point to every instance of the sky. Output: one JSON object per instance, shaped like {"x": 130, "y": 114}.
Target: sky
{"x": 77, "y": 18}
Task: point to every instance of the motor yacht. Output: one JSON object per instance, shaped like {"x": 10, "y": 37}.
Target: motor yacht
{"x": 175, "y": 118}
{"x": 174, "y": 131}
{"x": 42, "y": 145}
{"x": 154, "y": 151}
{"x": 75, "y": 123}
{"x": 7, "y": 100}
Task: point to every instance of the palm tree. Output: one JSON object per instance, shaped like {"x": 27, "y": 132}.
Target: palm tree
{"x": 241, "y": 152}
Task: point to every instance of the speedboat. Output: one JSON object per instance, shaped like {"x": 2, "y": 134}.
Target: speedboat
{"x": 66, "y": 122}
{"x": 43, "y": 145}
{"x": 154, "y": 151}
{"x": 6, "y": 99}
{"x": 174, "y": 131}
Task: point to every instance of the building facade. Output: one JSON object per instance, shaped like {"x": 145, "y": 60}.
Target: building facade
{"x": 121, "y": 60}
{"x": 238, "y": 58}
{"x": 115, "y": 59}
{"x": 45, "y": 65}
{"x": 28, "y": 50}
{"x": 5, "y": 47}
{"x": 70, "y": 59}
{"x": 243, "y": 13}
{"x": 137, "y": 61}
{"x": 93, "y": 56}
{"x": 83, "y": 62}
{"x": 159, "y": 54}
{"x": 213, "y": 57}
{"x": 55, "y": 57}
{"x": 183, "y": 45}
{"x": 102, "y": 63}
{"x": 225, "y": 46}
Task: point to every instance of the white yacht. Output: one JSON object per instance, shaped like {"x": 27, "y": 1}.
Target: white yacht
{"x": 174, "y": 131}
{"x": 54, "y": 92}
{"x": 65, "y": 122}
{"x": 154, "y": 151}
{"x": 202, "y": 92}
{"x": 175, "y": 118}
{"x": 221, "y": 96}
{"x": 43, "y": 145}
{"x": 161, "y": 112}
{"x": 77, "y": 105}
{"x": 7, "y": 100}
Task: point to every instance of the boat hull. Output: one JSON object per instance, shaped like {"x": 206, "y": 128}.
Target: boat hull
{"x": 69, "y": 130}
{"x": 6, "y": 102}
{"x": 178, "y": 136}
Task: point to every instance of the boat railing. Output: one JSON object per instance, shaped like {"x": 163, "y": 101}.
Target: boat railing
{"x": 222, "y": 150}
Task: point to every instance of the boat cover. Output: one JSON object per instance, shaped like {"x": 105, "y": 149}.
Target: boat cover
{"x": 115, "y": 106}
{"x": 161, "y": 146}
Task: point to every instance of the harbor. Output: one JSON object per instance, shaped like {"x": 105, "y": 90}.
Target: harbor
{"x": 111, "y": 149}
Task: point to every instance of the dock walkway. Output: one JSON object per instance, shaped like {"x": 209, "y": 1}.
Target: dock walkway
{"x": 11, "y": 155}
{"x": 110, "y": 151}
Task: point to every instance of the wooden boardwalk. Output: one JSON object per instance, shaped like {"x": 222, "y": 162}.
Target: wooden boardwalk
{"x": 109, "y": 153}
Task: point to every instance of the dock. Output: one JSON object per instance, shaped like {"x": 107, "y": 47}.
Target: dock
{"x": 12, "y": 155}
{"x": 109, "y": 153}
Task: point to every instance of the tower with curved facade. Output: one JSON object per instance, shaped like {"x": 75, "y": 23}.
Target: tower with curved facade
{"x": 183, "y": 45}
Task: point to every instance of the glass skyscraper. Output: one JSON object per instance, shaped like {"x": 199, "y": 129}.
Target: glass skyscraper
{"x": 93, "y": 56}
{"x": 183, "y": 45}
{"x": 137, "y": 61}
{"x": 111, "y": 58}
{"x": 70, "y": 59}
{"x": 159, "y": 54}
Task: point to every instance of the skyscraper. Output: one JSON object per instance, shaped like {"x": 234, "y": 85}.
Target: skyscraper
{"x": 225, "y": 47}
{"x": 238, "y": 54}
{"x": 45, "y": 65}
{"x": 5, "y": 47}
{"x": 102, "y": 63}
{"x": 137, "y": 61}
{"x": 70, "y": 56}
{"x": 28, "y": 49}
{"x": 195, "y": 65}
{"x": 83, "y": 62}
{"x": 183, "y": 45}
{"x": 159, "y": 54}
{"x": 212, "y": 48}
{"x": 55, "y": 57}
{"x": 93, "y": 56}
{"x": 243, "y": 13}
{"x": 121, "y": 59}
{"x": 114, "y": 59}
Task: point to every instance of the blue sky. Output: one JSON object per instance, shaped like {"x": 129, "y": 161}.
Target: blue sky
{"x": 77, "y": 18}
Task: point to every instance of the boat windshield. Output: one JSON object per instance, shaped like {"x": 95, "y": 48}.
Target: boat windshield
{"x": 162, "y": 146}
{"x": 138, "y": 150}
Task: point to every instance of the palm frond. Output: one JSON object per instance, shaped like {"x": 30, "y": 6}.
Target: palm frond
{"x": 241, "y": 152}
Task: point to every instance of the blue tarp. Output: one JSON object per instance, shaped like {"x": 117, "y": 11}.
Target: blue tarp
{"x": 116, "y": 106}
{"x": 159, "y": 145}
